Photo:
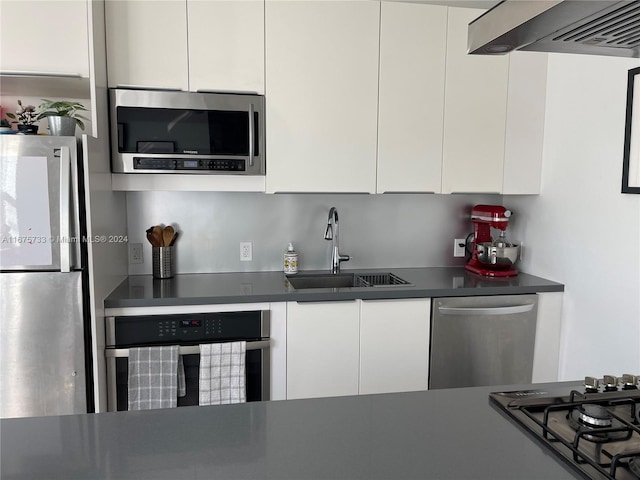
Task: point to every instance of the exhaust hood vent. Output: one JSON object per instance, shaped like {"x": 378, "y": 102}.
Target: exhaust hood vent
{"x": 595, "y": 27}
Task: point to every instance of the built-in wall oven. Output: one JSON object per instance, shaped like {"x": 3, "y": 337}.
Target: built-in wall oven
{"x": 188, "y": 331}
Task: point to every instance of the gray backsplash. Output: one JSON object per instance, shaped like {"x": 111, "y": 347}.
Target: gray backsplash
{"x": 378, "y": 231}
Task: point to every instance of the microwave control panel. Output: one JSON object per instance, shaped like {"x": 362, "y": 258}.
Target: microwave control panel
{"x": 154, "y": 163}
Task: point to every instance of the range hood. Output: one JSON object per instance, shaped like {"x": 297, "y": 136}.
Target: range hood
{"x": 595, "y": 27}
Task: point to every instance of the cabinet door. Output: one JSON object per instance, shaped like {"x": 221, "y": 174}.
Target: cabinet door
{"x": 147, "y": 43}
{"x": 394, "y": 345}
{"x": 525, "y": 123}
{"x": 226, "y": 45}
{"x": 546, "y": 353}
{"x": 322, "y": 349}
{"x": 412, "y": 74}
{"x": 44, "y": 37}
{"x": 321, "y": 95}
{"x": 474, "y": 112}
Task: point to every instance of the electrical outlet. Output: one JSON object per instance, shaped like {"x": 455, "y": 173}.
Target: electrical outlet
{"x": 459, "y": 247}
{"x": 135, "y": 253}
{"x": 246, "y": 251}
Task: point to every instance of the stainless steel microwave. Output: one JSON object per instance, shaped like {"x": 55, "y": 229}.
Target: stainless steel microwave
{"x": 155, "y": 131}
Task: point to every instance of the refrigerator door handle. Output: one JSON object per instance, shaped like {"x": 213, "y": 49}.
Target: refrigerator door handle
{"x": 65, "y": 212}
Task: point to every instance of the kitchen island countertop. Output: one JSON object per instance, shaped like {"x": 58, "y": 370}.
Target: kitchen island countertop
{"x": 439, "y": 434}
{"x": 255, "y": 287}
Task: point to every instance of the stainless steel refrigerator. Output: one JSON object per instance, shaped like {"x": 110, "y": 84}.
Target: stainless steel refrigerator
{"x": 43, "y": 283}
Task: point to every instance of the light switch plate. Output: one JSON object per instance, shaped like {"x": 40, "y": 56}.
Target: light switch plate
{"x": 135, "y": 253}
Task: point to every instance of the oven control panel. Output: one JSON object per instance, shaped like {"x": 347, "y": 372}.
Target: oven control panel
{"x": 188, "y": 328}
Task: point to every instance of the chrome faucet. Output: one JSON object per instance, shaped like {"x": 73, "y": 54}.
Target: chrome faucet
{"x": 330, "y": 234}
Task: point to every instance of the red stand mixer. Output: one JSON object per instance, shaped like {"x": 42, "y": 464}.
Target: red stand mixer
{"x": 489, "y": 257}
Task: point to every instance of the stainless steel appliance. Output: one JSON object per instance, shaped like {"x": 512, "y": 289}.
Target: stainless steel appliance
{"x": 43, "y": 307}
{"x": 595, "y": 27}
{"x": 156, "y": 131}
{"x": 593, "y": 428}
{"x": 482, "y": 341}
{"x": 188, "y": 331}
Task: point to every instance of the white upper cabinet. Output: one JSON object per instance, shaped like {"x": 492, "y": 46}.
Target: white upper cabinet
{"x": 475, "y": 113}
{"x": 525, "y": 123}
{"x": 197, "y": 45}
{"x": 44, "y": 37}
{"x": 413, "y": 40}
{"x": 226, "y": 45}
{"x": 147, "y": 43}
{"x": 321, "y": 95}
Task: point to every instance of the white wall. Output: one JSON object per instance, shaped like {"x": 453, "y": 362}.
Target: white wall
{"x": 581, "y": 230}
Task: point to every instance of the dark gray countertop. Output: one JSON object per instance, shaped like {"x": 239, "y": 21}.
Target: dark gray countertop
{"x": 439, "y": 434}
{"x": 255, "y": 287}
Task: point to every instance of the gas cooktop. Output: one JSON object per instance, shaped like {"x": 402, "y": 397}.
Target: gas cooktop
{"x": 594, "y": 427}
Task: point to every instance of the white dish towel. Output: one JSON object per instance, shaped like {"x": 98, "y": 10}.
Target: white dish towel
{"x": 222, "y": 373}
{"x": 153, "y": 377}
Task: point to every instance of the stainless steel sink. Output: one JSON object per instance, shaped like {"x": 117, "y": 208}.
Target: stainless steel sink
{"x": 322, "y": 280}
{"x": 345, "y": 280}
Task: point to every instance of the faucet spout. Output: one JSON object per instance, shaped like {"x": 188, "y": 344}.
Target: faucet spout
{"x": 332, "y": 233}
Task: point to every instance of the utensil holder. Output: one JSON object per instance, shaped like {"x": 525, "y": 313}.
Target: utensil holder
{"x": 164, "y": 262}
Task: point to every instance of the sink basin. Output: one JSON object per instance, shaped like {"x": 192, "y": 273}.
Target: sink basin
{"x": 345, "y": 280}
{"x": 322, "y": 280}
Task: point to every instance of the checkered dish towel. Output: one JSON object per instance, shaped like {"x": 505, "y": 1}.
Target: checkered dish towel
{"x": 222, "y": 373}
{"x": 153, "y": 377}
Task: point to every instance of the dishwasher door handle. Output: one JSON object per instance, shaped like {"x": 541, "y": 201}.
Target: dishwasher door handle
{"x": 476, "y": 311}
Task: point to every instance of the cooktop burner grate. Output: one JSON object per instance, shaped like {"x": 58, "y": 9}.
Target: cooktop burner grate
{"x": 597, "y": 433}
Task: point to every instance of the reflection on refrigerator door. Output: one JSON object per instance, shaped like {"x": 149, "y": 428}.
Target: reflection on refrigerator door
{"x": 44, "y": 355}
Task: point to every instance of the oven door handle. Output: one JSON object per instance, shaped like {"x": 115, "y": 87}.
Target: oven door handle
{"x": 184, "y": 350}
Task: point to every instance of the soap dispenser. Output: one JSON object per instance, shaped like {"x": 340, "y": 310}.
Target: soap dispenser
{"x": 290, "y": 260}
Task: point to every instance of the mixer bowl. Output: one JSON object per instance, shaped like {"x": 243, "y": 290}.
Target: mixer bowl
{"x": 489, "y": 254}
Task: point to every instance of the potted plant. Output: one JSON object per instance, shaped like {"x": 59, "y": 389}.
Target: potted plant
{"x": 5, "y": 126}
{"x": 25, "y": 117}
{"x": 63, "y": 116}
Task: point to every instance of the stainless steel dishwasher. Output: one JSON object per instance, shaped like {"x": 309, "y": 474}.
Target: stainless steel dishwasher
{"x": 482, "y": 341}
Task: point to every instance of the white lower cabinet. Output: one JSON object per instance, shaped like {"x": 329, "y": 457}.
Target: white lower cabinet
{"x": 357, "y": 347}
{"x": 394, "y": 345}
{"x": 322, "y": 349}
{"x": 546, "y": 353}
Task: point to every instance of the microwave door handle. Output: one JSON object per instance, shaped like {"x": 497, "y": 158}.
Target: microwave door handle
{"x": 120, "y": 137}
{"x": 251, "y": 134}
